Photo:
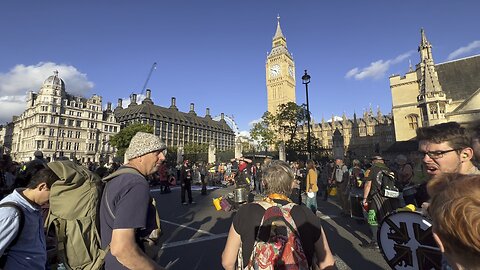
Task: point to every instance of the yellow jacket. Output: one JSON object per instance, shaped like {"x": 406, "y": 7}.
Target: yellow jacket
{"x": 312, "y": 180}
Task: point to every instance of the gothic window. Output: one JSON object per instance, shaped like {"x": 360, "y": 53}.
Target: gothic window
{"x": 433, "y": 108}
{"x": 412, "y": 121}
{"x": 442, "y": 108}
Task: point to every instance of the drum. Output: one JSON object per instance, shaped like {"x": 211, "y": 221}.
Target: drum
{"x": 356, "y": 198}
{"x": 240, "y": 195}
{"x": 406, "y": 241}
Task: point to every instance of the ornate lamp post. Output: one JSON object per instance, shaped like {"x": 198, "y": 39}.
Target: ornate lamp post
{"x": 306, "y": 81}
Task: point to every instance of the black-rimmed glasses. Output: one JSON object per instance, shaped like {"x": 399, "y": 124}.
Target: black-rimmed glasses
{"x": 435, "y": 154}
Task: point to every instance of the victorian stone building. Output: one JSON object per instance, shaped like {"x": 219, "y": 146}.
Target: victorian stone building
{"x": 176, "y": 128}
{"x": 353, "y": 138}
{"x": 435, "y": 93}
{"x": 280, "y": 72}
{"x": 63, "y": 125}
{"x": 359, "y": 136}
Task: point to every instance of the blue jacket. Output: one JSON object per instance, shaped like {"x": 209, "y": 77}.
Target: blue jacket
{"x": 29, "y": 252}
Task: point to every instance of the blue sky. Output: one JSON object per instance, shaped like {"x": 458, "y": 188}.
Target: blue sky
{"x": 213, "y": 52}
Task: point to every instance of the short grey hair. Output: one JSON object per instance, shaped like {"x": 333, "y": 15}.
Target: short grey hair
{"x": 278, "y": 178}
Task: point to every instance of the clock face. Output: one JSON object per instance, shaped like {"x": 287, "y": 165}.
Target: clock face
{"x": 291, "y": 72}
{"x": 274, "y": 70}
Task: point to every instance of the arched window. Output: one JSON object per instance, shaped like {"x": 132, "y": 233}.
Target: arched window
{"x": 412, "y": 121}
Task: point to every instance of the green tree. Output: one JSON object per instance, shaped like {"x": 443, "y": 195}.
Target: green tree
{"x": 289, "y": 116}
{"x": 263, "y": 132}
{"x": 122, "y": 139}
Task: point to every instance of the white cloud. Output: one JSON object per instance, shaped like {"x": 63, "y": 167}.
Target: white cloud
{"x": 253, "y": 122}
{"x": 377, "y": 69}
{"x": 337, "y": 118}
{"x": 21, "y": 79}
{"x": 464, "y": 50}
{"x": 245, "y": 133}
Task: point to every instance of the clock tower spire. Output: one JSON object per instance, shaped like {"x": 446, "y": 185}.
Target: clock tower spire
{"x": 280, "y": 72}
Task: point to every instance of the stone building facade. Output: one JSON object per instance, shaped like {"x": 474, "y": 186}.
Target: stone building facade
{"x": 63, "y": 125}
{"x": 435, "y": 93}
{"x": 176, "y": 128}
{"x": 280, "y": 72}
{"x": 359, "y": 137}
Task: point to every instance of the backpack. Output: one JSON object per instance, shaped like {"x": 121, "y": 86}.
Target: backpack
{"x": 73, "y": 216}
{"x": 356, "y": 175}
{"x": 283, "y": 249}
{"x": 21, "y": 216}
{"x": 386, "y": 183}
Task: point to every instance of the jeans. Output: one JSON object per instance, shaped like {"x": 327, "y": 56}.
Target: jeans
{"x": 312, "y": 203}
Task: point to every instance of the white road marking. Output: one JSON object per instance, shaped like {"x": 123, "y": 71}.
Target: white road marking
{"x": 191, "y": 241}
{"x": 186, "y": 227}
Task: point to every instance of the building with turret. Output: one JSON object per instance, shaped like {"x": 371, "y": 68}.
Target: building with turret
{"x": 63, "y": 125}
{"x": 280, "y": 72}
{"x": 354, "y": 138}
{"x": 176, "y": 128}
{"x": 435, "y": 93}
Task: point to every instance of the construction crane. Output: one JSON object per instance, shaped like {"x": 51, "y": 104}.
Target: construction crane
{"x": 154, "y": 66}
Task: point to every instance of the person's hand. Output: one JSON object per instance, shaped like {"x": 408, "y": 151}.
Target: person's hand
{"x": 424, "y": 209}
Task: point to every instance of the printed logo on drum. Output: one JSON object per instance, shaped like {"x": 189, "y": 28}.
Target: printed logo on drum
{"x": 406, "y": 241}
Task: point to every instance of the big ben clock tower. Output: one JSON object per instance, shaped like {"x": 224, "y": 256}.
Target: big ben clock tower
{"x": 280, "y": 72}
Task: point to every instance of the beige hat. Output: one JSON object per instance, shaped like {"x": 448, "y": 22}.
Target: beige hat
{"x": 143, "y": 143}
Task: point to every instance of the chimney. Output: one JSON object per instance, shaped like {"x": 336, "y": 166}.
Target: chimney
{"x": 192, "y": 107}
{"x": 148, "y": 96}
{"x": 172, "y": 104}
{"x": 119, "y": 103}
{"x": 222, "y": 116}
{"x": 133, "y": 100}
{"x": 109, "y": 106}
{"x": 207, "y": 114}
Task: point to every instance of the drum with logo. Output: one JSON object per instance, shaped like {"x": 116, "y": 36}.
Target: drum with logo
{"x": 406, "y": 241}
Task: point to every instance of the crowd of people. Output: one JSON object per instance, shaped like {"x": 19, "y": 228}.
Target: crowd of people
{"x": 441, "y": 178}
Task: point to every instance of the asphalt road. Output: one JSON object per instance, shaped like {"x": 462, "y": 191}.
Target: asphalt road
{"x": 195, "y": 235}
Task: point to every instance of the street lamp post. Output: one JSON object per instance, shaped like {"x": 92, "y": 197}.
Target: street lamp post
{"x": 306, "y": 81}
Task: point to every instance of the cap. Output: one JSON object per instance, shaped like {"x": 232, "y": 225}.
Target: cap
{"x": 143, "y": 143}
{"x": 377, "y": 158}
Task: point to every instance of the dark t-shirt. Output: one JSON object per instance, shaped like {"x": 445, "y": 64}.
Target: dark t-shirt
{"x": 248, "y": 218}
{"x": 129, "y": 199}
{"x": 372, "y": 176}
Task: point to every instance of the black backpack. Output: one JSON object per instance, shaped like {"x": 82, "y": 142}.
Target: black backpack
{"x": 387, "y": 184}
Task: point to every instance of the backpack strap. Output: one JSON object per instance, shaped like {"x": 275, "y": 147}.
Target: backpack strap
{"x": 61, "y": 233}
{"x": 120, "y": 171}
{"x": 129, "y": 170}
{"x": 21, "y": 215}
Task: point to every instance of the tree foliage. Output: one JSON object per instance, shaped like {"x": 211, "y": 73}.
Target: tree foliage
{"x": 263, "y": 132}
{"x": 283, "y": 126}
{"x": 288, "y": 118}
{"x": 122, "y": 139}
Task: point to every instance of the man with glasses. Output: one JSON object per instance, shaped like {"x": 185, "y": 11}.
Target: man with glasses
{"x": 476, "y": 141}
{"x": 444, "y": 148}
